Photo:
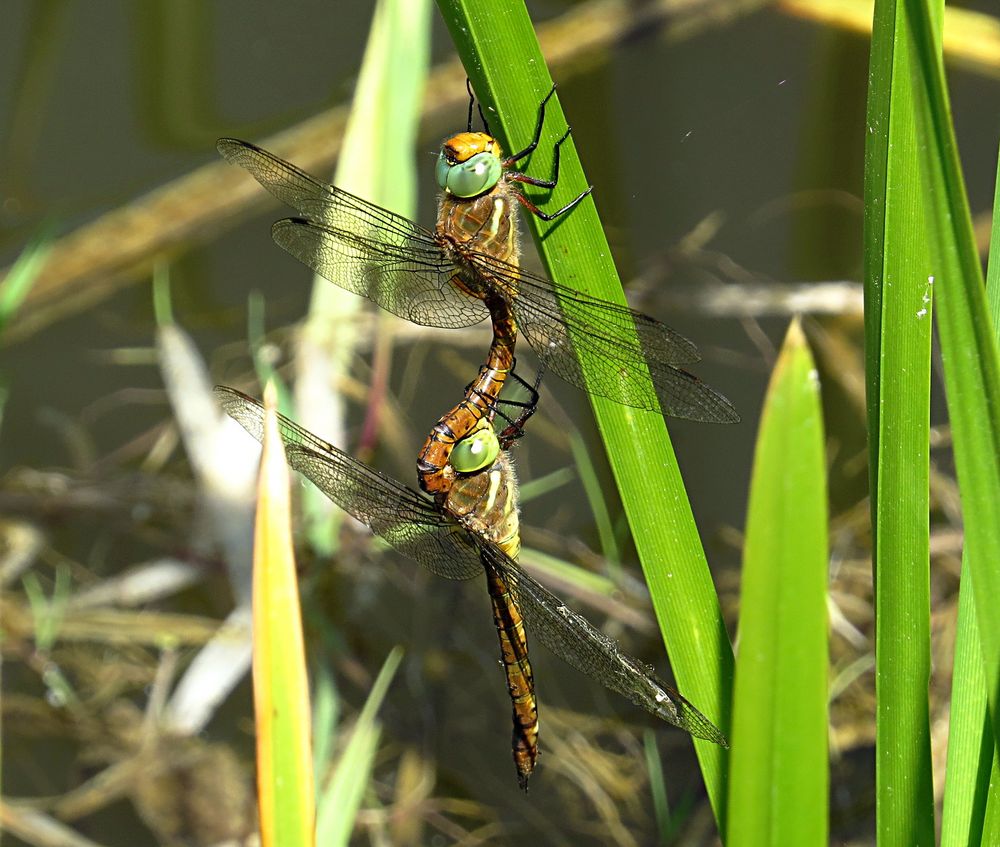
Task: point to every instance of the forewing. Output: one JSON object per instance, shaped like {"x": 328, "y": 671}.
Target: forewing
{"x": 359, "y": 246}
{"x": 291, "y": 185}
{"x": 404, "y": 275}
{"x": 407, "y": 520}
{"x": 562, "y": 325}
{"x": 576, "y": 641}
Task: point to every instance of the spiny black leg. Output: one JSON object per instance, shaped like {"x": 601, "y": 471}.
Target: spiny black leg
{"x": 516, "y": 176}
{"x": 516, "y": 428}
{"x": 510, "y": 160}
{"x": 472, "y": 100}
{"x": 531, "y": 388}
{"x": 555, "y": 156}
{"x": 531, "y": 207}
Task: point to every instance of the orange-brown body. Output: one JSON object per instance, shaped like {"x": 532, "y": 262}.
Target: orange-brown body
{"x": 483, "y": 224}
{"x": 462, "y": 146}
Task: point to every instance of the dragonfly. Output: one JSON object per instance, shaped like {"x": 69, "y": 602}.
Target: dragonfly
{"x": 471, "y": 532}
{"x": 467, "y": 269}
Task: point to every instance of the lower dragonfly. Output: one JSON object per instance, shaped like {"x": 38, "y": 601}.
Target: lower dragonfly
{"x": 470, "y": 531}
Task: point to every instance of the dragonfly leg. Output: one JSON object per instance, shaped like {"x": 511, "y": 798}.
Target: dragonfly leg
{"x": 516, "y": 176}
{"x": 538, "y": 213}
{"x": 479, "y": 106}
{"x": 516, "y": 157}
{"x": 515, "y": 428}
{"x": 472, "y": 102}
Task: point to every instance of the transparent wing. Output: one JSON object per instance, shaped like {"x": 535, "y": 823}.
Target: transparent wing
{"x": 403, "y": 268}
{"x": 577, "y": 642}
{"x": 359, "y": 246}
{"x": 407, "y": 520}
{"x": 562, "y": 324}
{"x": 410, "y": 280}
{"x": 413, "y": 525}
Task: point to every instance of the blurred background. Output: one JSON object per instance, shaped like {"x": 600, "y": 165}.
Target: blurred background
{"x": 724, "y": 139}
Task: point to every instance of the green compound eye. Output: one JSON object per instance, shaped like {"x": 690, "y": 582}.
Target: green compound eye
{"x": 441, "y": 171}
{"x": 476, "y": 451}
{"x": 469, "y": 178}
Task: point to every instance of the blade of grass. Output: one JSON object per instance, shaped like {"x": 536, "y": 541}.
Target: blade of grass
{"x": 969, "y": 806}
{"x": 545, "y": 484}
{"x": 262, "y": 362}
{"x": 971, "y": 751}
{"x": 376, "y": 162}
{"x": 47, "y": 618}
{"x": 969, "y": 348}
{"x": 342, "y": 797}
{"x": 14, "y": 287}
{"x": 779, "y": 780}
{"x": 326, "y": 713}
{"x": 598, "y": 506}
{"x": 658, "y": 788}
{"x": 285, "y": 783}
{"x": 500, "y": 52}
{"x": 898, "y": 280}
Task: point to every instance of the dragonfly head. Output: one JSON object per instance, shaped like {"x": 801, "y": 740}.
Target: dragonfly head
{"x": 478, "y": 450}
{"x": 469, "y": 164}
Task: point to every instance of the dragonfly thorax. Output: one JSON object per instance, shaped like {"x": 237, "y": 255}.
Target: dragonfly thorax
{"x": 486, "y": 504}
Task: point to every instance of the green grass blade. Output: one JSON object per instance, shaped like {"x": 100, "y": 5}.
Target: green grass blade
{"x": 498, "y": 47}
{"x": 899, "y": 278}
{"x": 595, "y": 497}
{"x": 971, "y": 751}
{"x": 970, "y": 806}
{"x": 779, "y": 780}
{"x": 340, "y": 801}
{"x": 285, "y": 780}
{"x": 657, "y": 788}
{"x": 14, "y": 287}
{"x": 376, "y": 162}
{"x": 969, "y": 347}
{"x": 991, "y": 824}
{"x": 325, "y": 713}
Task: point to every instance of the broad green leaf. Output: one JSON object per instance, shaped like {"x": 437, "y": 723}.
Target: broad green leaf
{"x": 498, "y": 47}
{"x": 779, "y": 780}
{"x": 899, "y": 280}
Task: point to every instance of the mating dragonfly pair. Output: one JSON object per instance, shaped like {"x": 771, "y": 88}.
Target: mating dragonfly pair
{"x": 465, "y": 270}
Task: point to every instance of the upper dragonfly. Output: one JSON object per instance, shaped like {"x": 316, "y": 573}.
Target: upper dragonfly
{"x": 466, "y": 270}
{"x": 471, "y": 530}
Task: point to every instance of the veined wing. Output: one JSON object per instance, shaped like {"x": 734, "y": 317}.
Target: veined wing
{"x": 578, "y": 643}
{"x": 562, "y": 324}
{"x": 412, "y": 524}
{"x": 408, "y": 278}
{"x": 359, "y": 246}
{"x": 407, "y": 520}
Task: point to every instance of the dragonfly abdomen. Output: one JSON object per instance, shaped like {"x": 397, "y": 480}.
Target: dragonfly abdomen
{"x": 433, "y": 470}
{"x": 520, "y": 678}
{"x": 486, "y": 504}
